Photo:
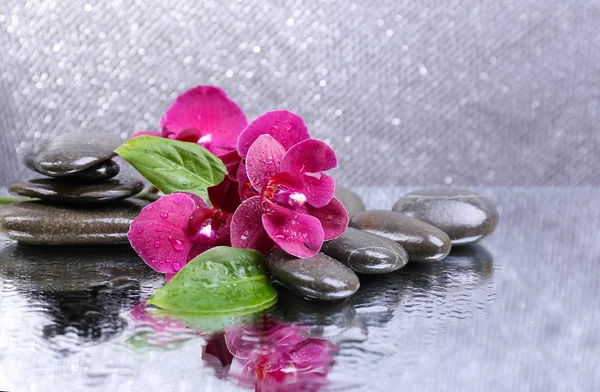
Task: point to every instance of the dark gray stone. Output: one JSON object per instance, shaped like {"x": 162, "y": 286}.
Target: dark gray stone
{"x": 63, "y": 191}
{"x": 366, "y": 253}
{"x": 350, "y": 200}
{"x": 422, "y": 241}
{"x": 318, "y": 277}
{"x": 464, "y": 215}
{"x": 100, "y": 172}
{"x": 69, "y": 153}
{"x": 59, "y": 190}
{"x": 43, "y": 223}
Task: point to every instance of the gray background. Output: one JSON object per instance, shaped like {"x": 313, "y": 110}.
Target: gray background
{"x": 501, "y": 92}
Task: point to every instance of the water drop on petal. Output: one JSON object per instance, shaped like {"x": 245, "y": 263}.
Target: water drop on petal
{"x": 157, "y": 244}
{"x": 164, "y": 215}
{"x": 177, "y": 244}
{"x": 176, "y": 266}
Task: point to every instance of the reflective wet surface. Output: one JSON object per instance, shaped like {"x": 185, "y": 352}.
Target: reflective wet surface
{"x": 519, "y": 311}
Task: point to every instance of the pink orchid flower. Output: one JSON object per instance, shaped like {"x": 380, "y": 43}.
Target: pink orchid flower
{"x": 286, "y": 127}
{"x": 178, "y": 227}
{"x": 271, "y": 356}
{"x": 203, "y": 115}
{"x": 295, "y": 208}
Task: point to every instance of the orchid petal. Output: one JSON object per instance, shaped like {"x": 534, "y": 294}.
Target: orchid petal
{"x": 160, "y": 236}
{"x": 286, "y": 127}
{"x": 225, "y": 195}
{"x": 147, "y": 133}
{"x": 262, "y": 161}
{"x": 319, "y": 190}
{"x": 232, "y": 162}
{"x": 209, "y": 110}
{"x": 246, "y": 228}
{"x": 191, "y": 135}
{"x": 333, "y": 218}
{"x": 299, "y": 235}
{"x": 309, "y": 156}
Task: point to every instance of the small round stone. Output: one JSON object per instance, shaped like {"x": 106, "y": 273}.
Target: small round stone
{"x": 60, "y": 190}
{"x": 319, "y": 277}
{"x": 366, "y": 253}
{"x": 421, "y": 241}
{"x": 464, "y": 215}
{"x": 350, "y": 200}
{"x": 69, "y": 153}
{"x": 43, "y": 223}
{"x": 100, "y": 172}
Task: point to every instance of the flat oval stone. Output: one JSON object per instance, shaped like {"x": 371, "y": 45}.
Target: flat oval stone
{"x": 318, "y": 277}
{"x": 421, "y": 241}
{"x": 464, "y": 215}
{"x": 100, "y": 172}
{"x": 69, "y": 153}
{"x": 366, "y": 253}
{"x": 43, "y": 223}
{"x": 60, "y": 190}
{"x": 349, "y": 199}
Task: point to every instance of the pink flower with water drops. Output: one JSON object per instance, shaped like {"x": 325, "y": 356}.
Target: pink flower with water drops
{"x": 294, "y": 207}
{"x": 284, "y": 126}
{"x": 203, "y": 115}
{"x": 178, "y": 227}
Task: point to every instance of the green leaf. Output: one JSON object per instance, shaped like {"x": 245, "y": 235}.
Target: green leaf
{"x": 10, "y": 199}
{"x": 220, "y": 282}
{"x": 173, "y": 166}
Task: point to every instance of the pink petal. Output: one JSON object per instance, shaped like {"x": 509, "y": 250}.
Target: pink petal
{"x": 191, "y": 135}
{"x": 232, "y": 162}
{"x": 286, "y": 127}
{"x": 246, "y": 227}
{"x": 225, "y": 195}
{"x": 309, "y": 156}
{"x": 262, "y": 161}
{"x": 333, "y": 218}
{"x": 299, "y": 235}
{"x": 147, "y": 133}
{"x": 319, "y": 190}
{"x": 159, "y": 233}
{"x": 209, "y": 110}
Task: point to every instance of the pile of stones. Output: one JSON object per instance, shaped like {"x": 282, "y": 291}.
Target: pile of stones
{"x": 422, "y": 227}
{"x": 81, "y": 202}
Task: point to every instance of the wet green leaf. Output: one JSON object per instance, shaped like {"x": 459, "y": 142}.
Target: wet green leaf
{"x": 221, "y": 282}
{"x": 172, "y": 165}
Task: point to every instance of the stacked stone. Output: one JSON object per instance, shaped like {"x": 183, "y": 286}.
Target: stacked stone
{"x": 80, "y": 201}
{"x": 422, "y": 227}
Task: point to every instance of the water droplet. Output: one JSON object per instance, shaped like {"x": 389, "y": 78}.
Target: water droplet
{"x": 148, "y": 239}
{"x": 157, "y": 244}
{"x": 176, "y": 266}
{"x": 149, "y": 208}
{"x": 159, "y": 229}
{"x": 177, "y": 244}
{"x": 169, "y": 258}
{"x": 162, "y": 261}
{"x": 162, "y": 236}
{"x": 244, "y": 235}
{"x": 139, "y": 231}
{"x": 164, "y": 215}
{"x": 176, "y": 200}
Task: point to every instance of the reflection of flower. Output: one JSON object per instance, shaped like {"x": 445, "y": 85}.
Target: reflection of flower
{"x": 271, "y": 356}
{"x": 178, "y": 227}
{"x": 295, "y": 208}
{"x": 152, "y": 332}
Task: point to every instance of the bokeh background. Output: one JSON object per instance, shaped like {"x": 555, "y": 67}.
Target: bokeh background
{"x": 459, "y": 92}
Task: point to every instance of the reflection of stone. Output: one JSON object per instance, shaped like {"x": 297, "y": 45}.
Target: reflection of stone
{"x": 83, "y": 291}
{"x": 379, "y": 296}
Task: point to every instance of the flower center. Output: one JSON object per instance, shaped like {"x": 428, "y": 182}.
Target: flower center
{"x": 284, "y": 196}
{"x": 208, "y": 226}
